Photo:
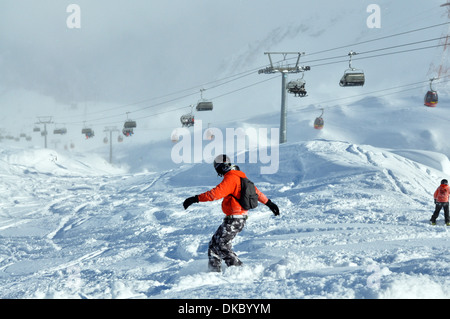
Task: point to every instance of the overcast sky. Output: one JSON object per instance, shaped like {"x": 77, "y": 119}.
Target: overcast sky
{"x": 127, "y": 51}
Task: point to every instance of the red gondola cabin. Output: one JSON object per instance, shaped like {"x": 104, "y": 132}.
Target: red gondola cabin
{"x": 431, "y": 98}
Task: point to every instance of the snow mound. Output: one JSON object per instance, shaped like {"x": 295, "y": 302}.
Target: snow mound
{"x": 51, "y": 162}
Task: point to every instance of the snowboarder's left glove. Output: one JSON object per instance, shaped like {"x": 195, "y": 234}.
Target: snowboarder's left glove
{"x": 273, "y": 207}
{"x": 189, "y": 201}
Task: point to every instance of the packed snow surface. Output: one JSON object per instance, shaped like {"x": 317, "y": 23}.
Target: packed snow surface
{"x": 353, "y": 224}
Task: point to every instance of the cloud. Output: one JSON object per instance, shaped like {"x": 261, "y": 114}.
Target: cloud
{"x": 125, "y": 51}
{"x": 122, "y": 50}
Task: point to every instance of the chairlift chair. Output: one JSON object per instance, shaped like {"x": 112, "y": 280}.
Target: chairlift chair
{"x": 203, "y": 104}
{"x": 127, "y": 131}
{"x": 128, "y": 127}
{"x": 60, "y": 131}
{"x": 36, "y": 129}
{"x": 129, "y": 124}
{"x": 352, "y": 76}
{"x": 297, "y": 87}
{"x": 88, "y": 132}
{"x": 187, "y": 120}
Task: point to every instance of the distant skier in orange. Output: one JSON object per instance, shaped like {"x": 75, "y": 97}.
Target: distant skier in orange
{"x": 441, "y": 197}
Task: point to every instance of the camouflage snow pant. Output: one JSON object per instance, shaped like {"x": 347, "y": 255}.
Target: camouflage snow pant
{"x": 220, "y": 244}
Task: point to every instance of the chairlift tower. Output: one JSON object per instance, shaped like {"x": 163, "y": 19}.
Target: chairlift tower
{"x": 443, "y": 69}
{"x": 44, "y": 120}
{"x": 110, "y": 129}
{"x": 284, "y": 68}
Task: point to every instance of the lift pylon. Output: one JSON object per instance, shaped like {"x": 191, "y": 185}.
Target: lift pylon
{"x": 284, "y": 68}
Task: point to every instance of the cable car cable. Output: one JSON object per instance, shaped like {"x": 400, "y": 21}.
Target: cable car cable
{"x": 382, "y": 38}
{"x": 247, "y": 73}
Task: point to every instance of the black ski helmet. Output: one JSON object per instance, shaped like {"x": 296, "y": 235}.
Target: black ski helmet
{"x": 444, "y": 181}
{"x": 222, "y": 164}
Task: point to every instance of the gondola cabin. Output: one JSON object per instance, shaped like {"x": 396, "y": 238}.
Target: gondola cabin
{"x": 175, "y": 135}
{"x": 431, "y": 99}
{"x": 209, "y": 134}
{"x": 319, "y": 123}
{"x": 174, "y": 138}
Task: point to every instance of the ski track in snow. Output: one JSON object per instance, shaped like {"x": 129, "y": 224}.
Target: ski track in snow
{"x": 353, "y": 224}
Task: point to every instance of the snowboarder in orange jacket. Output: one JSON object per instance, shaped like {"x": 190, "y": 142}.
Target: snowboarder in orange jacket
{"x": 230, "y": 190}
{"x": 441, "y": 197}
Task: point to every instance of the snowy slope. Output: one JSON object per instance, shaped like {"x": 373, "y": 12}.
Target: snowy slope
{"x": 355, "y": 198}
{"x": 353, "y": 224}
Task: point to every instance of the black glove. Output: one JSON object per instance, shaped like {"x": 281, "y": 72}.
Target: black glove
{"x": 189, "y": 201}
{"x": 273, "y": 207}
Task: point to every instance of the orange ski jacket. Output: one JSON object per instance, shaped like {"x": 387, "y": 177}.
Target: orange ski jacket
{"x": 229, "y": 187}
{"x": 442, "y": 193}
